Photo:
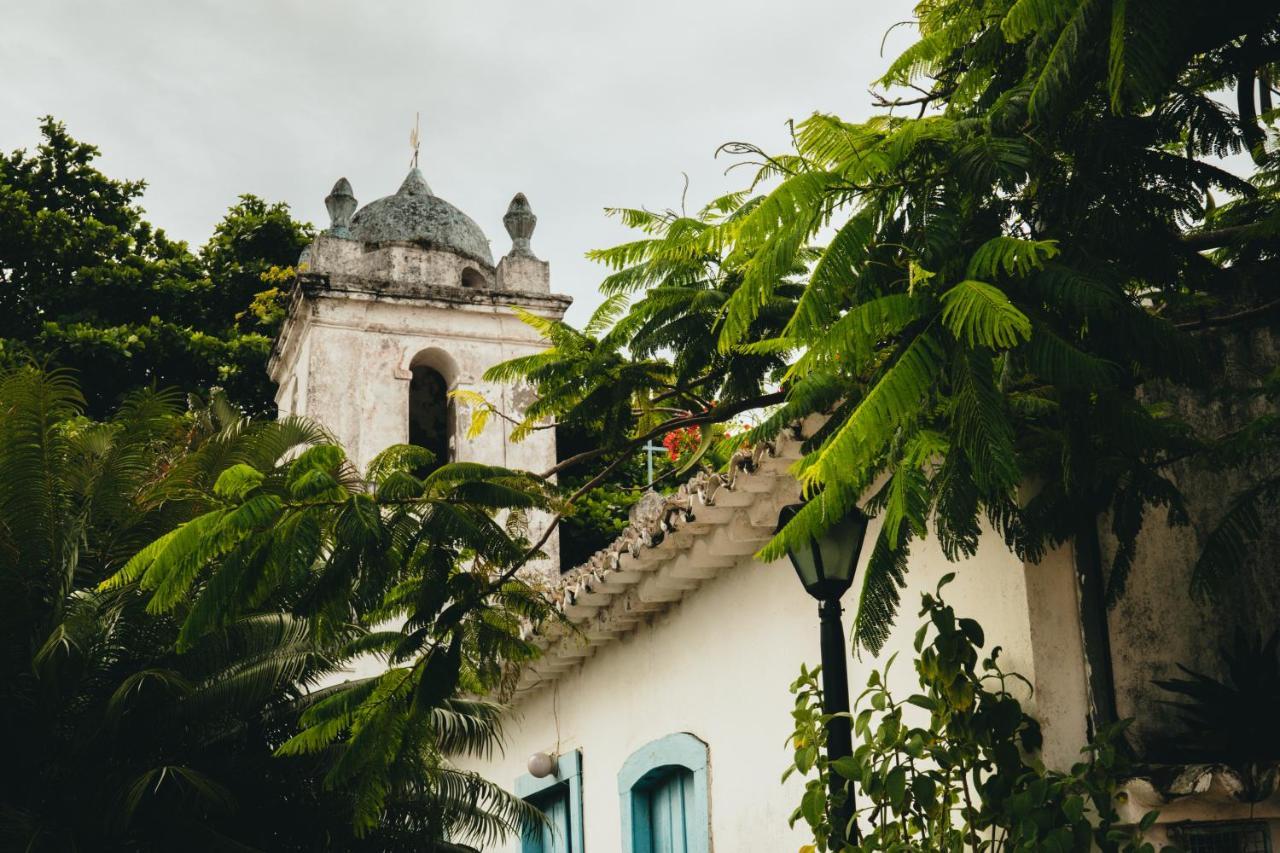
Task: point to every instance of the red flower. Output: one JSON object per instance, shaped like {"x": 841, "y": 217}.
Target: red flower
{"x": 681, "y": 441}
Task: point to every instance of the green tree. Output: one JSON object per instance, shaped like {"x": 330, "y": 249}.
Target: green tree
{"x": 86, "y": 282}
{"x": 158, "y": 688}
{"x": 1019, "y": 277}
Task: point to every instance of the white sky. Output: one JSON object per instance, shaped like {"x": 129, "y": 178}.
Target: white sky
{"x": 581, "y": 105}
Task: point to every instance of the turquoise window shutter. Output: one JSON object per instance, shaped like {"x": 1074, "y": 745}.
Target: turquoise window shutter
{"x": 664, "y": 797}
{"x": 556, "y": 835}
{"x": 559, "y": 796}
{"x": 671, "y": 811}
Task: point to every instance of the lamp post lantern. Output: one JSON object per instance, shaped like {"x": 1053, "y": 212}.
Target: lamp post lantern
{"x": 825, "y": 566}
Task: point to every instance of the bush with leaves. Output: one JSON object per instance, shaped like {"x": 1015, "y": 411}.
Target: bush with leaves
{"x": 952, "y": 767}
{"x": 427, "y": 553}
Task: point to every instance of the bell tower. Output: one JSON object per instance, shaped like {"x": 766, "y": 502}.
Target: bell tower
{"x": 397, "y": 304}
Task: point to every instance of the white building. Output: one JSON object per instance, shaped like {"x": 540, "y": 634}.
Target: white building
{"x": 666, "y": 706}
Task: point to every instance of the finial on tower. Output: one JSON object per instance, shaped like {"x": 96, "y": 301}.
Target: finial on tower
{"x": 415, "y": 139}
{"x": 520, "y": 223}
{"x": 341, "y": 204}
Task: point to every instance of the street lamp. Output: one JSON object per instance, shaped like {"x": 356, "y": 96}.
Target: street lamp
{"x": 825, "y": 565}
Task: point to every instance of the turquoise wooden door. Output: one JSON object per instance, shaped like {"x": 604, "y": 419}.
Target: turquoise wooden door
{"x": 554, "y": 836}
{"x": 670, "y": 810}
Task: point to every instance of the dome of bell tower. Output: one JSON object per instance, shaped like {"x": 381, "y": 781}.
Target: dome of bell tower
{"x": 416, "y": 215}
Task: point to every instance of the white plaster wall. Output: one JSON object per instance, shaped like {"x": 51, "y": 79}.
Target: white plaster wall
{"x": 1061, "y": 703}
{"x": 718, "y": 665}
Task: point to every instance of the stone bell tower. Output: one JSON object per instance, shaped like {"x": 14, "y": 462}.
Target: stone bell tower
{"x": 399, "y": 303}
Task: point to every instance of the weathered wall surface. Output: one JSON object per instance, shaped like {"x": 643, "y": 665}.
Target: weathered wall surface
{"x": 403, "y": 264}
{"x": 718, "y": 664}
{"x": 358, "y": 372}
{"x": 1157, "y": 624}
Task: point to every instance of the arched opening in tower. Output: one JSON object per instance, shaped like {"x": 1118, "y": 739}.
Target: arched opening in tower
{"x": 430, "y": 424}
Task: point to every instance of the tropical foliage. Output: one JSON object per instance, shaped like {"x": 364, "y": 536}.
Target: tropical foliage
{"x": 86, "y": 282}
{"x": 1010, "y": 292}
{"x": 180, "y": 595}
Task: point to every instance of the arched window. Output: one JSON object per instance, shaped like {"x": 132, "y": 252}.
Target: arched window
{"x": 665, "y": 806}
{"x": 431, "y": 413}
{"x": 471, "y": 277}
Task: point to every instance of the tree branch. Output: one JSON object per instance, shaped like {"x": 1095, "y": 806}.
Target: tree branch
{"x": 1229, "y": 319}
{"x": 1215, "y": 237}
{"x": 1254, "y": 136}
{"x": 555, "y": 523}
{"x": 716, "y": 415}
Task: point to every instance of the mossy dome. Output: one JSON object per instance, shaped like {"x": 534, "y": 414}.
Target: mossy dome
{"x": 416, "y": 215}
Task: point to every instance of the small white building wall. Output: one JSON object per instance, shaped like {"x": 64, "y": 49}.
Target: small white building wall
{"x": 718, "y": 665}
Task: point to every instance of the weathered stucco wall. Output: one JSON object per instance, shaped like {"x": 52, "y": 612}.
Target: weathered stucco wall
{"x": 1157, "y": 624}
{"x": 718, "y": 664}
{"x": 357, "y": 373}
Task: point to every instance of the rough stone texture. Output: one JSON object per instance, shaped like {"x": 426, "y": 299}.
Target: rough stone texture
{"x": 341, "y": 204}
{"x": 402, "y": 268}
{"x": 520, "y": 222}
{"x": 415, "y": 215}
{"x": 1200, "y": 793}
{"x": 524, "y": 273}
{"x": 521, "y": 269}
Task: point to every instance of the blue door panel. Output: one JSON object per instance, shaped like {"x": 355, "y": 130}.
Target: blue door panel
{"x": 670, "y": 806}
{"x": 555, "y": 836}
{"x": 664, "y": 797}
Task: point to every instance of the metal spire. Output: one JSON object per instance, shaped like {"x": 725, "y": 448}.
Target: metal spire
{"x": 415, "y": 139}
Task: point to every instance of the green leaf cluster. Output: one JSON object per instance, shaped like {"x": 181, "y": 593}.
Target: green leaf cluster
{"x": 953, "y": 767}
{"x": 995, "y": 291}
{"x": 180, "y": 593}
{"x": 87, "y": 283}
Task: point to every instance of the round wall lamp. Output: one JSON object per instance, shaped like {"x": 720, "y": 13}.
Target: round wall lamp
{"x": 542, "y": 765}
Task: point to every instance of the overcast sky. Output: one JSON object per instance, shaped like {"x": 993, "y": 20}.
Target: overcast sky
{"x": 580, "y": 104}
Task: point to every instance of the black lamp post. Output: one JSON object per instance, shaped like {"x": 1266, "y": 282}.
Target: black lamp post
{"x": 826, "y": 566}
